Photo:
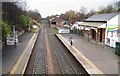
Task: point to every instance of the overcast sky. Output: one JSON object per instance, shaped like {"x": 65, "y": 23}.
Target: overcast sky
{"x": 52, "y": 7}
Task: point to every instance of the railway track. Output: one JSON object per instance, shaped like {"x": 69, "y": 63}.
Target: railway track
{"x": 67, "y": 63}
{"x": 63, "y": 62}
{"x": 37, "y": 61}
{"x": 40, "y": 61}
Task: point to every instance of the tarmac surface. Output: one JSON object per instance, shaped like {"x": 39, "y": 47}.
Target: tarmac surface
{"x": 11, "y": 54}
{"x": 0, "y": 58}
{"x": 103, "y": 57}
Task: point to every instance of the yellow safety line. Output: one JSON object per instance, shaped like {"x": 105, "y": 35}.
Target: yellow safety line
{"x": 25, "y": 66}
{"x": 87, "y": 60}
{"x": 19, "y": 60}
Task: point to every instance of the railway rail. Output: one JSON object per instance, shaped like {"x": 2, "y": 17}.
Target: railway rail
{"x": 62, "y": 60}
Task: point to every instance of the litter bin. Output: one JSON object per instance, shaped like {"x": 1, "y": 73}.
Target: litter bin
{"x": 117, "y": 49}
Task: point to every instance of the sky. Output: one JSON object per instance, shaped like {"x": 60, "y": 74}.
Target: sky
{"x": 53, "y": 7}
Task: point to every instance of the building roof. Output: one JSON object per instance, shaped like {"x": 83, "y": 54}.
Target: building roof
{"x": 102, "y": 17}
{"x": 92, "y": 24}
{"x": 43, "y": 19}
{"x": 56, "y": 19}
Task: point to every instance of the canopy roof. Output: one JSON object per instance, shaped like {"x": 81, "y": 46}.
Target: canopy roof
{"x": 92, "y": 24}
{"x": 102, "y": 17}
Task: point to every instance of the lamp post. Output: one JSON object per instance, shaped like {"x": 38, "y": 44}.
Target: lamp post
{"x": 14, "y": 35}
{"x": 13, "y": 30}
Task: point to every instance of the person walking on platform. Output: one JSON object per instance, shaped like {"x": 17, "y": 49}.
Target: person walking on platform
{"x": 71, "y": 41}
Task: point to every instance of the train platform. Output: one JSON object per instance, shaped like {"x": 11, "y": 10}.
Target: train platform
{"x": 16, "y": 58}
{"x": 95, "y": 58}
{"x": 21, "y": 64}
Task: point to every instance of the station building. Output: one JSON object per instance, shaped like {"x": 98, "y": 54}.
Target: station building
{"x": 102, "y": 28}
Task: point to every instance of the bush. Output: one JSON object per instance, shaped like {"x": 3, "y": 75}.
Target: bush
{"x": 25, "y": 21}
{"x": 6, "y": 30}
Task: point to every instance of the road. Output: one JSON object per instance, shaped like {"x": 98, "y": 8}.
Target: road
{"x": 50, "y": 56}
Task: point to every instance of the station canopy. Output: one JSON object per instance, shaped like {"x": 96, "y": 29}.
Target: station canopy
{"x": 99, "y": 20}
{"x": 93, "y": 24}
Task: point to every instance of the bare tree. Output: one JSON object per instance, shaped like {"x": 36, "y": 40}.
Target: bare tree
{"x": 117, "y": 6}
{"x": 83, "y": 10}
{"x": 113, "y": 7}
{"x": 34, "y": 14}
{"x": 109, "y": 8}
{"x": 90, "y": 13}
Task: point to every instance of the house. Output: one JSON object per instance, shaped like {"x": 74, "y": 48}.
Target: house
{"x": 56, "y": 22}
{"x": 102, "y": 28}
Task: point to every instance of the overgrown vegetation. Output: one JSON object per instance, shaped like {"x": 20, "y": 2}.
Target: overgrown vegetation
{"x": 15, "y": 14}
{"x": 25, "y": 21}
{"x": 6, "y": 30}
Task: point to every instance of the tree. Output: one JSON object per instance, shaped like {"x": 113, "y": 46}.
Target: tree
{"x": 6, "y": 30}
{"x": 78, "y": 16}
{"x": 10, "y": 12}
{"x": 22, "y": 5}
{"x": 90, "y": 13}
{"x": 34, "y": 14}
{"x": 52, "y": 16}
{"x": 117, "y": 6}
{"x": 70, "y": 15}
{"x": 111, "y": 8}
{"x": 83, "y": 12}
{"x": 25, "y": 21}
